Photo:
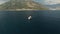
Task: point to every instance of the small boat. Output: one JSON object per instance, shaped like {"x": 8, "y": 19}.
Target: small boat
{"x": 29, "y": 17}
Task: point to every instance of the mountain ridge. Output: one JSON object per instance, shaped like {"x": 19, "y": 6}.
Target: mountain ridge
{"x": 22, "y": 4}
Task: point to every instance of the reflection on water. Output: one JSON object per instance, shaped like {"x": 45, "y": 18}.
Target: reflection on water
{"x": 42, "y": 22}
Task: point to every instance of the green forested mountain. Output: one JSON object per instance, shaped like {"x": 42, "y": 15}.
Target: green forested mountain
{"x": 22, "y": 4}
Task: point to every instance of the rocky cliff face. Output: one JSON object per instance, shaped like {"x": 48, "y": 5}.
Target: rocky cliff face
{"x": 22, "y": 4}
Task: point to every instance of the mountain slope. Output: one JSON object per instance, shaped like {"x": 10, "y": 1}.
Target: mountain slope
{"x": 22, "y": 4}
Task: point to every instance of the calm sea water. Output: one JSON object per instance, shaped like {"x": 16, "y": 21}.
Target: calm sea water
{"x": 42, "y": 22}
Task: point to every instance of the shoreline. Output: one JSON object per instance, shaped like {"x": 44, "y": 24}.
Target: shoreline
{"x": 17, "y": 9}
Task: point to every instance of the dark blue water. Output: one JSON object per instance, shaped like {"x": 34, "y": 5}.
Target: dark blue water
{"x": 42, "y": 22}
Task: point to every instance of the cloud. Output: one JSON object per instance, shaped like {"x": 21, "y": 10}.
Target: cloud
{"x": 51, "y": 2}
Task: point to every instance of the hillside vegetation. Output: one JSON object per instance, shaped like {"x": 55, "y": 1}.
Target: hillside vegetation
{"x": 22, "y": 4}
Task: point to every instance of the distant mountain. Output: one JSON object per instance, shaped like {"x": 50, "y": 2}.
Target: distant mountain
{"x": 22, "y": 4}
{"x": 53, "y": 6}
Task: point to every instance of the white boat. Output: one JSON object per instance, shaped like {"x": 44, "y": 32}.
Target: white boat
{"x": 29, "y": 17}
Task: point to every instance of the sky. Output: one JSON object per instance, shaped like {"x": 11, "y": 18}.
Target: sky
{"x": 45, "y": 2}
